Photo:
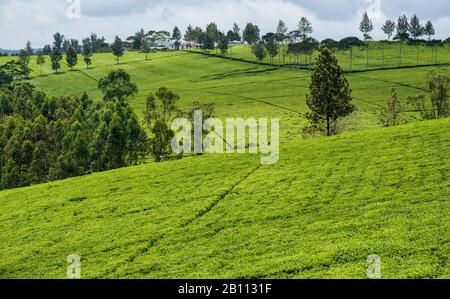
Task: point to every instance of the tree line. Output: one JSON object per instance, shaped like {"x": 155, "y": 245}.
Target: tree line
{"x": 46, "y": 138}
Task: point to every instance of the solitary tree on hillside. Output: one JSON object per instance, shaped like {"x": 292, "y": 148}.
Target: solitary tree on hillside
{"x": 71, "y": 57}
{"x": 40, "y": 60}
{"x": 415, "y": 28}
{"x": 366, "y": 26}
{"x": 304, "y": 28}
{"x": 117, "y": 48}
{"x": 389, "y": 28}
{"x": 390, "y": 114}
{"x": 56, "y": 57}
{"x": 439, "y": 83}
{"x": 330, "y": 96}
{"x": 429, "y": 30}
{"x": 87, "y": 52}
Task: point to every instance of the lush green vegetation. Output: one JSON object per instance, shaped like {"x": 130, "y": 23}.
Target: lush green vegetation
{"x": 319, "y": 212}
{"x": 376, "y": 55}
{"x": 47, "y": 138}
{"x": 326, "y": 206}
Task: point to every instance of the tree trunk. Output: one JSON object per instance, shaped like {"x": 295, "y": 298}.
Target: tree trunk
{"x": 328, "y": 126}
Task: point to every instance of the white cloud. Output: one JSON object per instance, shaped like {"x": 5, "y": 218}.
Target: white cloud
{"x": 38, "y": 20}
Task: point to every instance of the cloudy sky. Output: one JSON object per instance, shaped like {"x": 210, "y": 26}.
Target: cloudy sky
{"x": 37, "y": 20}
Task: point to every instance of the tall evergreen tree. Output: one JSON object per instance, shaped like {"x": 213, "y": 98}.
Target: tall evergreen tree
{"x": 146, "y": 47}
{"x": 71, "y": 57}
{"x": 24, "y": 60}
{"x": 429, "y": 30}
{"x": 176, "y": 36}
{"x": 366, "y": 26}
{"x": 118, "y": 48}
{"x": 389, "y": 28}
{"x": 330, "y": 96}
{"x": 281, "y": 31}
{"x": 56, "y": 57}
{"x": 304, "y": 28}
{"x": 416, "y": 28}
{"x": 403, "y": 28}
{"x": 87, "y": 52}
{"x": 223, "y": 43}
{"x": 29, "y": 49}
{"x": 251, "y": 34}
{"x": 58, "y": 41}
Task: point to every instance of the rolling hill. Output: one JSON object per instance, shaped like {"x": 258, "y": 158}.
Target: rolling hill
{"x": 319, "y": 213}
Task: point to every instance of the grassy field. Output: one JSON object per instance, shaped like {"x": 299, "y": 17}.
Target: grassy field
{"x": 320, "y": 212}
{"x": 380, "y": 56}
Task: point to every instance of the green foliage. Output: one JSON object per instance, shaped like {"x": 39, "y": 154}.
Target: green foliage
{"x": 56, "y": 57}
{"x": 282, "y": 30}
{"x": 71, "y": 57}
{"x": 304, "y": 28}
{"x": 259, "y": 50}
{"x": 416, "y": 28}
{"x": 366, "y": 26}
{"x": 161, "y": 109}
{"x": 403, "y": 28}
{"x": 118, "y": 48}
{"x": 330, "y": 96}
{"x": 391, "y": 113}
{"x": 270, "y": 42}
{"x": 87, "y": 52}
{"x": 207, "y": 42}
{"x": 58, "y": 41}
{"x": 40, "y": 60}
{"x": 429, "y": 30}
{"x": 146, "y": 47}
{"x": 389, "y": 28}
{"x": 10, "y": 73}
{"x": 212, "y": 31}
{"x": 44, "y": 139}
{"x": 332, "y": 203}
{"x": 251, "y": 34}
{"x": 137, "y": 39}
{"x": 24, "y": 59}
{"x": 223, "y": 44}
{"x": 117, "y": 86}
{"x": 439, "y": 84}
{"x": 234, "y": 34}
{"x": 348, "y": 42}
